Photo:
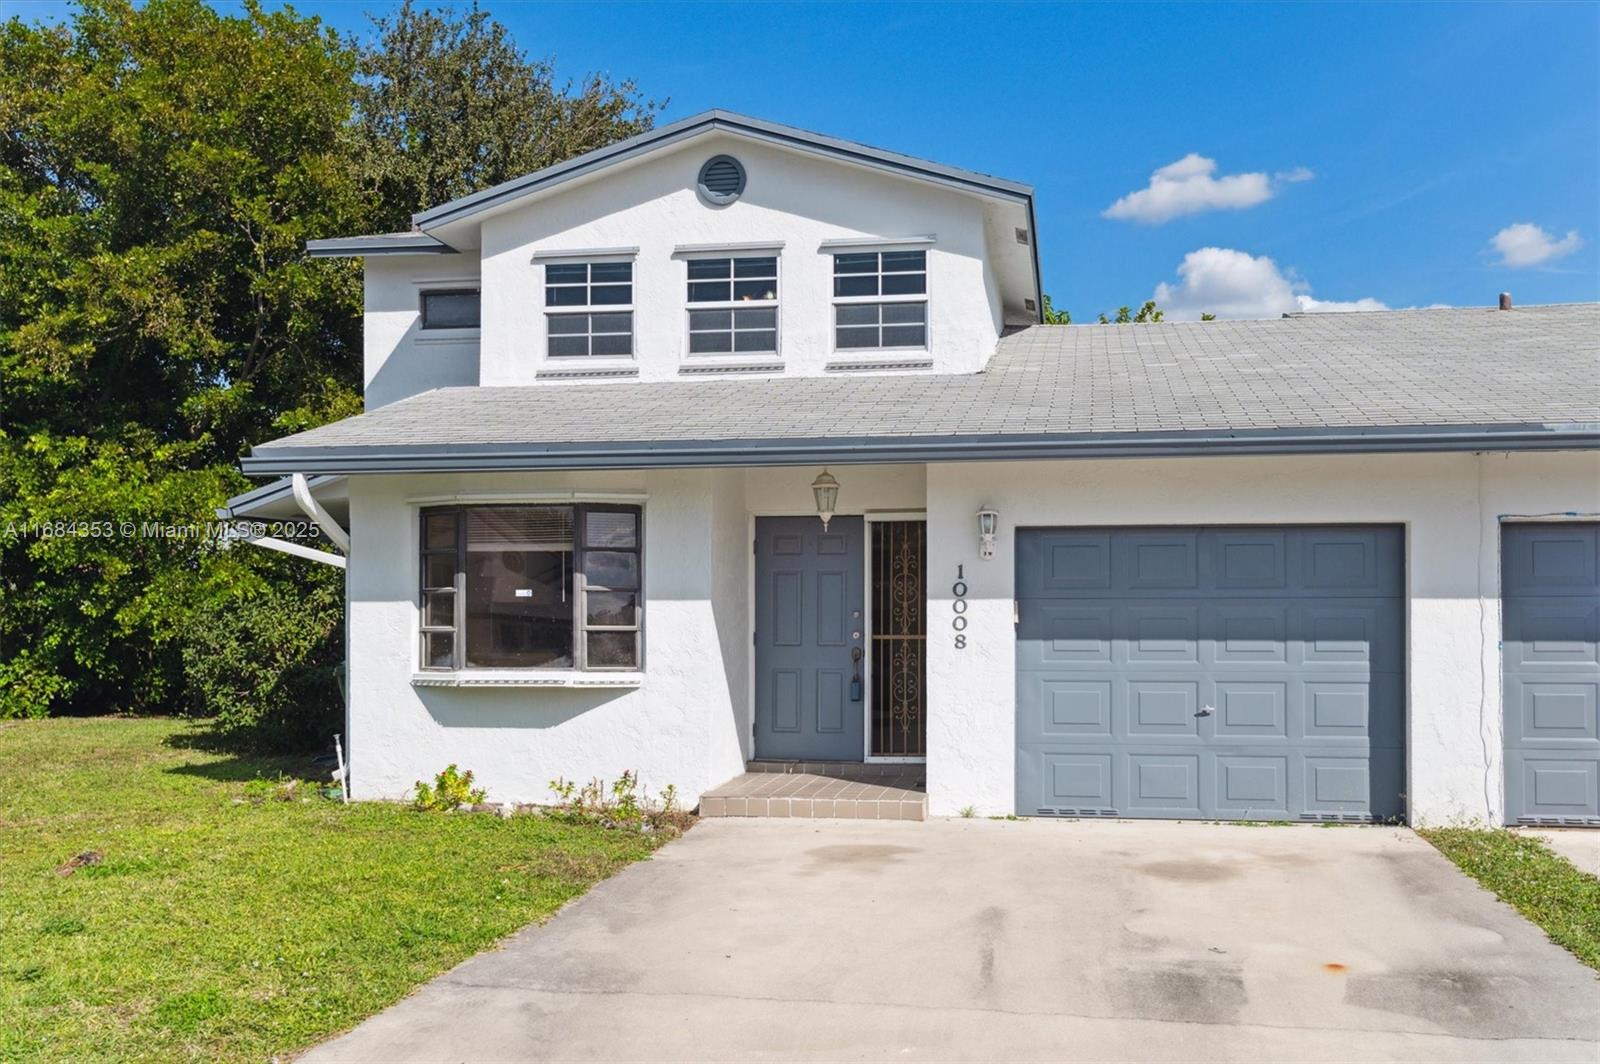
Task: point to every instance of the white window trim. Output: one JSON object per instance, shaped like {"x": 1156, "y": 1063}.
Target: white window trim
{"x": 846, "y": 247}
{"x": 717, "y": 251}
{"x": 878, "y": 243}
{"x": 746, "y": 251}
{"x": 568, "y": 258}
{"x": 525, "y": 678}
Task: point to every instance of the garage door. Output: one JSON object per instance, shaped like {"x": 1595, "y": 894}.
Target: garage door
{"x": 1550, "y": 596}
{"x": 1233, "y": 673}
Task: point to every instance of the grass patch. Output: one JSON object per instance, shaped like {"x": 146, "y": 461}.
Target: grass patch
{"x": 162, "y": 902}
{"x": 1525, "y": 874}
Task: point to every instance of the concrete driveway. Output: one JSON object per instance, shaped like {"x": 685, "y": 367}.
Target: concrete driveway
{"x": 1013, "y": 940}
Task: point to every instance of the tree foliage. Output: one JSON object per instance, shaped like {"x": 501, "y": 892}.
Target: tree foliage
{"x": 1148, "y": 312}
{"x": 449, "y": 105}
{"x": 161, "y": 167}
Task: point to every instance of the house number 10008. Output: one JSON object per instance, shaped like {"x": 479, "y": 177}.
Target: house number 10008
{"x": 959, "y": 605}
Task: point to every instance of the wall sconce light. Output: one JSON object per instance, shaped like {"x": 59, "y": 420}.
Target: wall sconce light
{"x": 988, "y": 524}
{"x": 826, "y": 491}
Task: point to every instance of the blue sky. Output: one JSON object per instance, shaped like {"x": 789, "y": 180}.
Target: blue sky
{"x": 1426, "y": 130}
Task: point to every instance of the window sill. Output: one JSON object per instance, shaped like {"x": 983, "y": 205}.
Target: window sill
{"x": 448, "y": 336}
{"x": 555, "y": 370}
{"x": 713, "y": 365}
{"x": 526, "y": 678}
{"x": 878, "y": 360}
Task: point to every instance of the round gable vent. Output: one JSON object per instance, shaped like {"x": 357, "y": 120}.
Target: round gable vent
{"x": 721, "y": 180}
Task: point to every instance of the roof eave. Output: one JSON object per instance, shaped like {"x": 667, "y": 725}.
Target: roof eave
{"x": 344, "y": 247}
{"x": 590, "y": 162}
{"x": 268, "y": 460}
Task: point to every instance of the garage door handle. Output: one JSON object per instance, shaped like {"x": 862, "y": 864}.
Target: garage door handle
{"x": 1206, "y": 711}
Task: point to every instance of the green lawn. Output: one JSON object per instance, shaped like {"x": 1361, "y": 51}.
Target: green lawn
{"x": 1546, "y": 888}
{"x": 222, "y": 926}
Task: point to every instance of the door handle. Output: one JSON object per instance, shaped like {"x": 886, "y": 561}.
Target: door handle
{"x": 1206, "y": 711}
{"x": 855, "y": 681}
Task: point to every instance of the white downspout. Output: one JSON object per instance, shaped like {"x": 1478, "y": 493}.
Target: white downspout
{"x": 313, "y": 509}
{"x": 299, "y": 550}
{"x": 341, "y": 539}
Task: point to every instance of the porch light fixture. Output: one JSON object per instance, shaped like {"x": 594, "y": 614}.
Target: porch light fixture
{"x": 826, "y": 491}
{"x": 988, "y": 523}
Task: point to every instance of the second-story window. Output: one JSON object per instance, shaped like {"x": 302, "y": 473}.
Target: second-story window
{"x": 880, "y": 300}
{"x": 589, "y": 309}
{"x": 733, "y": 306}
{"x": 450, "y": 308}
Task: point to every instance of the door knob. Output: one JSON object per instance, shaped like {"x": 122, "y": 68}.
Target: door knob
{"x": 1206, "y": 711}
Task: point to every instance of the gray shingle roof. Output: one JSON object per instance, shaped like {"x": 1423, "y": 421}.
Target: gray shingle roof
{"x": 1463, "y": 372}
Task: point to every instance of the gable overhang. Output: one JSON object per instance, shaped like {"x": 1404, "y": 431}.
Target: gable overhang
{"x": 483, "y": 458}
{"x": 724, "y": 122}
{"x": 345, "y": 247}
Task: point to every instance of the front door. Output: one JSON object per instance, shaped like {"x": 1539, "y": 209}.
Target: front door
{"x": 809, "y": 639}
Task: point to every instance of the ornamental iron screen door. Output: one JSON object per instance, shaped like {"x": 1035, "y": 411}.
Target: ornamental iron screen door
{"x": 899, "y": 639}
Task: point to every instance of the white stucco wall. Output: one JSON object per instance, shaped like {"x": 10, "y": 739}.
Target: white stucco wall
{"x": 1450, "y": 505}
{"x": 399, "y": 359}
{"x": 687, "y": 723}
{"x": 797, "y": 200}
{"x": 678, "y": 727}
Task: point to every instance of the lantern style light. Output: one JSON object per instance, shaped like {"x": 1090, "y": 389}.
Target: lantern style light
{"x": 826, "y": 491}
{"x": 988, "y": 524}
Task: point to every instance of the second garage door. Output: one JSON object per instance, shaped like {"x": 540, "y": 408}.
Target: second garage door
{"x": 1220, "y": 672}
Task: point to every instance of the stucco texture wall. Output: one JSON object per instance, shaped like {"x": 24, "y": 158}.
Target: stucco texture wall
{"x": 400, "y": 358}
{"x": 679, "y": 727}
{"x": 1450, "y": 504}
{"x": 653, "y": 205}
{"x": 687, "y": 722}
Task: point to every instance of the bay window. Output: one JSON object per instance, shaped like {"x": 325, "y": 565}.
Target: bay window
{"x": 532, "y": 587}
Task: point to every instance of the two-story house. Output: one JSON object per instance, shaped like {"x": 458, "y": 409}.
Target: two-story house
{"x": 736, "y": 446}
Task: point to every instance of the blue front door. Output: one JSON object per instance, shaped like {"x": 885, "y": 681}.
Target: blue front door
{"x": 809, "y": 602}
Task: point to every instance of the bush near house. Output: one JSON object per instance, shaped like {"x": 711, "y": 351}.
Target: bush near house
{"x": 163, "y": 903}
{"x": 265, "y": 668}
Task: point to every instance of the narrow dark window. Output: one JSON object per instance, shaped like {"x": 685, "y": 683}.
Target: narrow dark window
{"x": 450, "y": 308}
{"x": 532, "y": 587}
{"x": 589, "y": 309}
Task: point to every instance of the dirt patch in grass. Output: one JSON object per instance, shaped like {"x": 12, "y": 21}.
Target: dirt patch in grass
{"x": 1527, "y": 875}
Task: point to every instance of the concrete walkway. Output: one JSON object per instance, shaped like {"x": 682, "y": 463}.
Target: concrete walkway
{"x": 1581, "y": 846}
{"x": 1013, "y": 940}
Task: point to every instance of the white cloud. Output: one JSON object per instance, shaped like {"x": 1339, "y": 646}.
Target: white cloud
{"x": 1525, "y": 244}
{"x": 1234, "y": 284}
{"x": 1190, "y": 186}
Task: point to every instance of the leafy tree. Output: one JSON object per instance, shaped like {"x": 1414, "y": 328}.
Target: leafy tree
{"x": 1207, "y": 317}
{"x": 447, "y": 105}
{"x": 160, "y": 170}
{"x": 1052, "y": 316}
{"x": 161, "y": 167}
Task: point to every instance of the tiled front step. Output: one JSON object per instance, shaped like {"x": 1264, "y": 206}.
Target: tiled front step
{"x": 803, "y": 794}
{"x": 904, "y": 774}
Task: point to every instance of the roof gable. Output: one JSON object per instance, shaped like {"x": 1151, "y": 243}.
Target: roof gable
{"x": 589, "y": 163}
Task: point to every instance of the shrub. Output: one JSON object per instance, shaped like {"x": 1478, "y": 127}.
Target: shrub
{"x": 451, "y": 789}
{"x": 620, "y": 805}
{"x": 265, "y": 668}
